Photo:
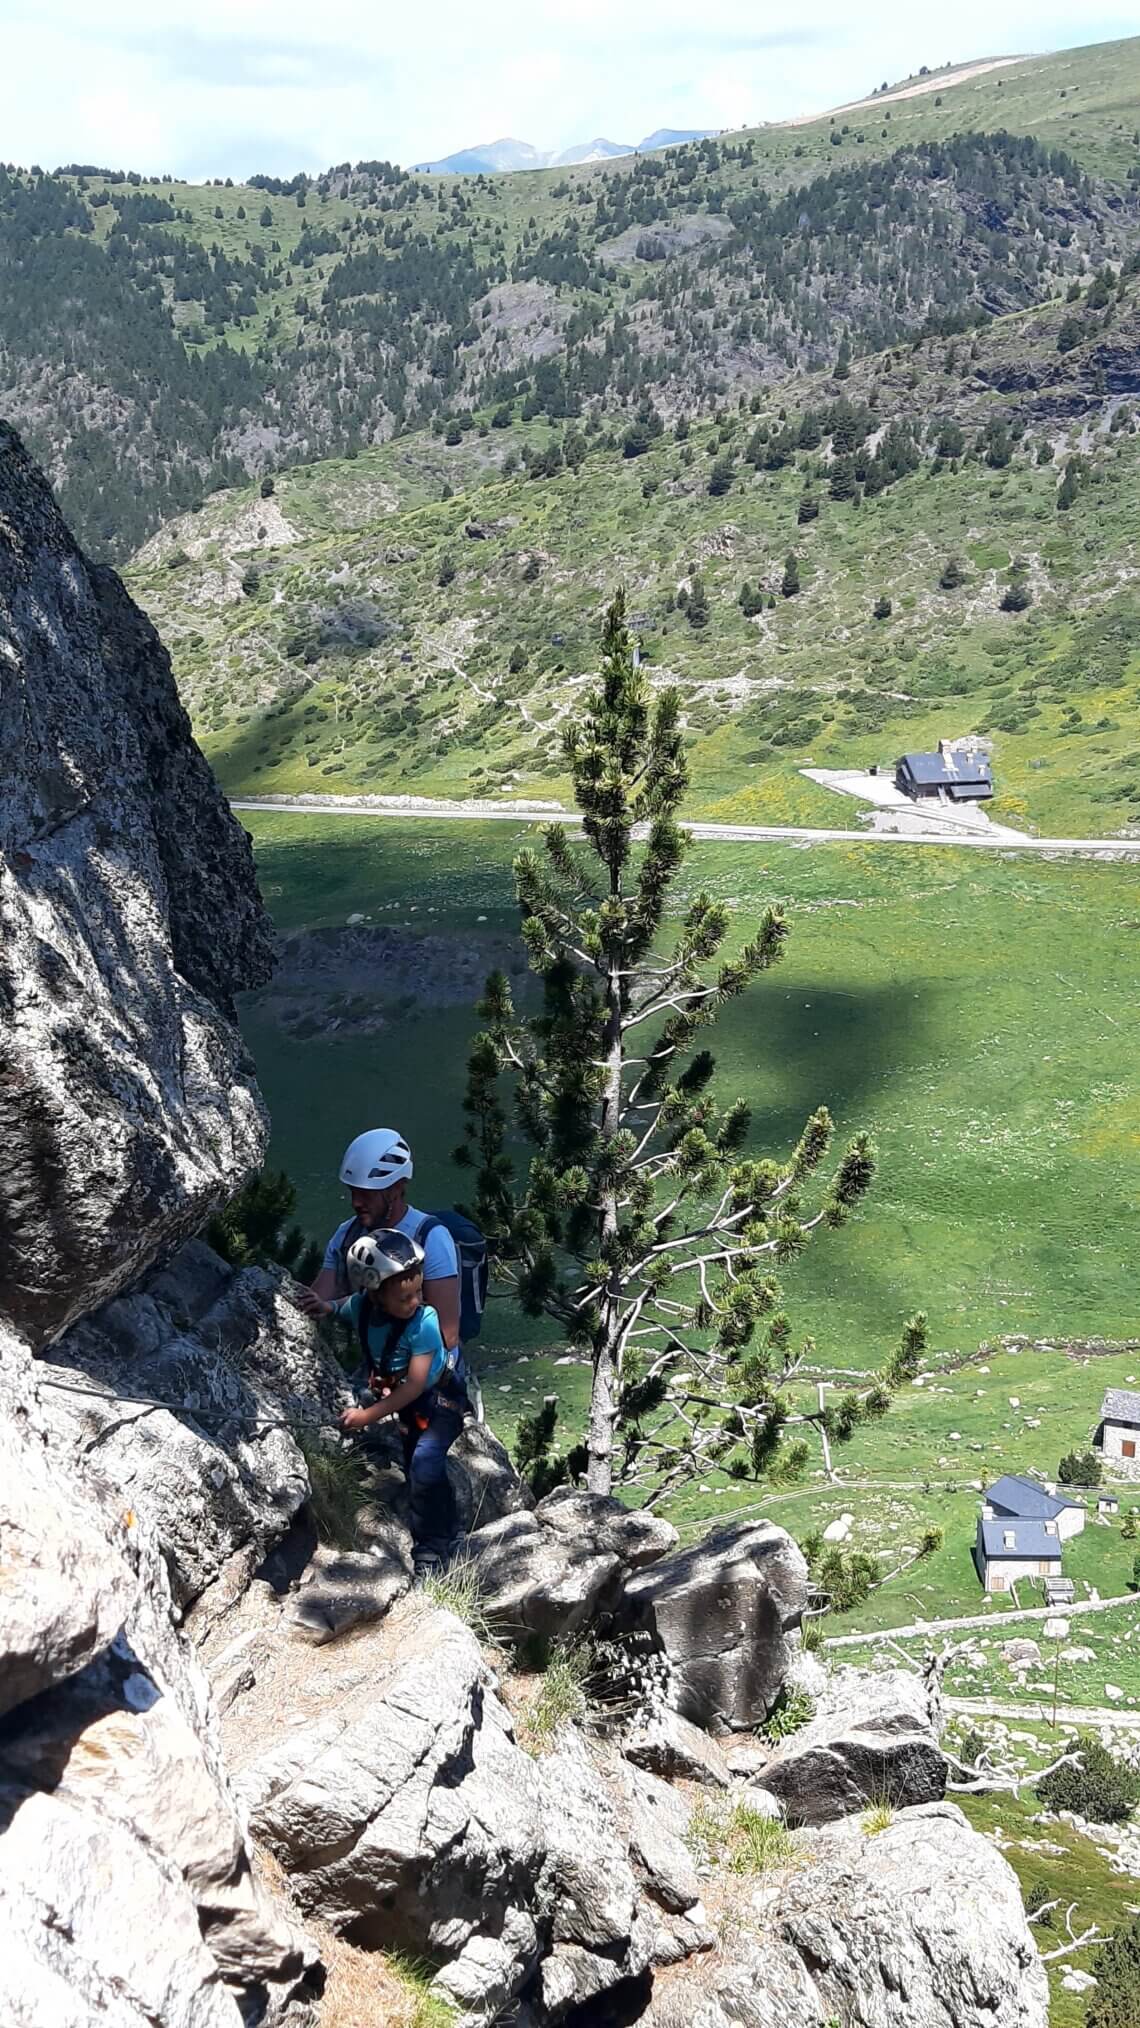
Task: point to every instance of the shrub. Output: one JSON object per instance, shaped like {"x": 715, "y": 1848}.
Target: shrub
{"x": 791, "y": 1712}
{"x": 1116, "y": 2001}
{"x": 953, "y": 574}
{"x": 1036, "y": 1898}
{"x": 1017, "y": 597}
{"x": 790, "y": 582}
{"x": 1079, "y": 1468}
{"x": 446, "y": 571}
{"x": 882, "y": 608}
{"x": 517, "y": 663}
{"x": 1102, "y": 1788}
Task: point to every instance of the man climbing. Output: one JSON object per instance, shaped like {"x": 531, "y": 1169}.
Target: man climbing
{"x": 411, "y": 1374}
{"x": 377, "y": 1168}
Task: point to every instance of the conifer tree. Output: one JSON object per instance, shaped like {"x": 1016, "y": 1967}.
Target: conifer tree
{"x": 640, "y": 1224}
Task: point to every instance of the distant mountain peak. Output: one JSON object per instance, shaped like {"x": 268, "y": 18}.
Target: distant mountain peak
{"x": 497, "y": 158}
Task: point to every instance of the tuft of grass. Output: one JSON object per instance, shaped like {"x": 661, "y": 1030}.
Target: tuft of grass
{"x": 791, "y": 1712}
{"x": 337, "y": 1490}
{"x": 879, "y": 1816}
{"x": 561, "y": 1697}
{"x": 738, "y": 1837}
{"x": 457, "y": 1590}
{"x": 371, "y": 1989}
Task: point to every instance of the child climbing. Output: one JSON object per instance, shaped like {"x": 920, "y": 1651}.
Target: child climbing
{"x": 412, "y": 1375}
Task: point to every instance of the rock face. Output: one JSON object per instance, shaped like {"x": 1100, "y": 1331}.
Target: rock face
{"x": 408, "y": 1817}
{"x": 110, "y": 1772}
{"x": 129, "y": 917}
{"x": 226, "y": 1479}
{"x": 719, "y": 1613}
{"x": 920, "y": 1926}
{"x": 869, "y": 1742}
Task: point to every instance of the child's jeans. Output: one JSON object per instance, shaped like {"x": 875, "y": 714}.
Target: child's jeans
{"x": 433, "y": 1515}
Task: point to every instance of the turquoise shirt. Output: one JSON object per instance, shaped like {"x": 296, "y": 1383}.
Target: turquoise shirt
{"x": 420, "y": 1334}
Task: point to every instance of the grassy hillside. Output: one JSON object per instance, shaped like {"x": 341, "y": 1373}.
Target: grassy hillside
{"x": 159, "y": 340}
{"x": 357, "y": 632}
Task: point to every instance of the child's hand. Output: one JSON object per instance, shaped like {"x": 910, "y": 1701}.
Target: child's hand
{"x": 354, "y": 1418}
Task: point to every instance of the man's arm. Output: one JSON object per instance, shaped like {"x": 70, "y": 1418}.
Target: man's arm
{"x": 325, "y": 1285}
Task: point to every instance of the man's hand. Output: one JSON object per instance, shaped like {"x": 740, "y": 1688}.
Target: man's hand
{"x": 309, "y": 1301}
{"x": 354, "y": 1418}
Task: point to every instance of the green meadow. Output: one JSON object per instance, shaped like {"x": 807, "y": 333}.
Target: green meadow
{"x": 975, "y": 1013}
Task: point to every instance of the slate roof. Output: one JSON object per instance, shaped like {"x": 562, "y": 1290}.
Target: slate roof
{"x": 1029, "y": 1540}
{"x": 1120, "y": 1405}
{"x": 1026, "y": 1499}
{"x": 942, "y": 770}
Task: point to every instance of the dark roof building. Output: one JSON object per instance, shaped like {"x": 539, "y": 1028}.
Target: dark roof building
{"x": 1016, "y": 1540}
{"x": 1026, "y": 1499}
{"x": 960, "y": 773}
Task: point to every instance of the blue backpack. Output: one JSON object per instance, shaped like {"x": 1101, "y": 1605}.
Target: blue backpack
{"x": 471, "y": 1248}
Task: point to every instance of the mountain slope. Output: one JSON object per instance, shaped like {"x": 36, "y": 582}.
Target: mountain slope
{"x": 268, "y": 325}
{"x": 438, "y": 646}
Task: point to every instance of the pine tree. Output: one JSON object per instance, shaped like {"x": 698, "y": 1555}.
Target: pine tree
{"x": 256, "y": 1227}
{"x": 698, "y": 605}
{"x": 639, "y": 1224}
{"x": 790, "y": 583}
{"x": 1116, "y": 2001}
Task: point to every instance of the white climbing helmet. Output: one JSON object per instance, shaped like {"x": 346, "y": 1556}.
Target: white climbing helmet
{"x": 376, "y": 1160}
{"x": 376, "y": 1256}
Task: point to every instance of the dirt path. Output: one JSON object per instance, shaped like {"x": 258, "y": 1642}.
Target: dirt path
{"x": 425, "y": 809}
{"x": 940, "y": 81}
{"x": 1067, "y": 1714}
{"x": 991, "y": 1620}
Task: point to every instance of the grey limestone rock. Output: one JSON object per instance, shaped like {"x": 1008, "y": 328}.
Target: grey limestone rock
{"x": 720, "y": 1613}
{"x": 486, "y": 1483}
{"x": 535, "y": 1579}
{"x": 635, "y": 1535}
{"x": 342, "y": 1589}
{"x": 869, "y": 1741}
{"x": 129, "y": 917}
{"x": 920, "y": 1926}
{"x": 226, "y": 1475}
{"x": 663, "y": 1742}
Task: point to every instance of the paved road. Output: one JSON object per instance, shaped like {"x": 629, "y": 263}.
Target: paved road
{"x": 1067, "y": 1714}
{"x": 796, "y": 834}
{"x": 992, "y": 1620}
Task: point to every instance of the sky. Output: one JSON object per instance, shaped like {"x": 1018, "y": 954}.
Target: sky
{"x": 206, "y": 88}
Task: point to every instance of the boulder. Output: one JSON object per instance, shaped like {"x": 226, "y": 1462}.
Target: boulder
{"x": 485, "y": 1482}
{"x": 1021, "y": 1654}
{"x": 537, "y": 1580}
{"x": 637, "y": 1536}
{"x": 720, "y": 1614}
{"x": 226, "y": 1473}
{"x": 870, "y": 1741}
{"x": 667, "y": 1744}
{"x": 920, "y": 1926}
{"x": 129, "y": 918}
{"x": 342, "y": 1589}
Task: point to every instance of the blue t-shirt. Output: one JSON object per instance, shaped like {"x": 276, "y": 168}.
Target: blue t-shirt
{"x": 440, "y": 1257}
{"x": 420, "y": 1334}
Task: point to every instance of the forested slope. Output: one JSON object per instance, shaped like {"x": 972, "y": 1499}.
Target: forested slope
{"x": 158, "y": 341}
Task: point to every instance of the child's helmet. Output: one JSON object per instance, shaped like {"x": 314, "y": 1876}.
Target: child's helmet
{"x": 376, "y": 1256}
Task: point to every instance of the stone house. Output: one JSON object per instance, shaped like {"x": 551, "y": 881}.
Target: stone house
{"x": 1119, "y": 1434}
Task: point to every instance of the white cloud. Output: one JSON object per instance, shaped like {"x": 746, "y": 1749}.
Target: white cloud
{"x": 228, "y": 86}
